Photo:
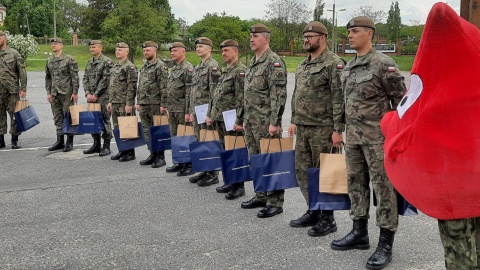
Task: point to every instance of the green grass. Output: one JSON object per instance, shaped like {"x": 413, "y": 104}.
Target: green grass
{"x": 82, "y": 55}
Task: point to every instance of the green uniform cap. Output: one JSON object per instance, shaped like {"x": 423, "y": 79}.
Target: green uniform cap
{"x": 56, "y": 40}
{"x": 361, "y": 22}
{"x": 149, "y": 44}
{"x": 204, "y": 40}
{"x": 259, "y": 28}
{"x": 2, "y": 33}
{"x": 176, "y": 45}
{"x": 229, "y": 43}
{"x": 121, "y": 45}
{"x": 316, "y": 27}
{"x": 94, "y": 42}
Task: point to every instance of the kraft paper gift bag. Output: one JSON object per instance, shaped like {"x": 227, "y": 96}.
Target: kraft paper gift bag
{"x": 75, "y": 113}
{"x": 324, "y": 201}
{"x": 333, "y": 173}
{"x": 128, "y": 126}
{"x": 271, "y": 145}
{"x": 234, "y": 142}
{"x": 235, "y": 165}
{"x": 160, "y": 120}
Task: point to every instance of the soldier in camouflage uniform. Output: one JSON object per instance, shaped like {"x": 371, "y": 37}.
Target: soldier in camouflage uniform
{"x": 173, "y": 98}
{"x": 373, "y": 86}
{"x": 62, "y": 83}
{"x": 204, "y": 81}
{"x": 461, "y": 242}
{"x": 317, "y": 118}
{"x": 95, "y": 84}
{"x": 152, "y": 81}
{"x": 265, "y": 97}
{"x": 228, "y": 95}
{"x": 122, "y": 89}
{"x": 13, "y": 86}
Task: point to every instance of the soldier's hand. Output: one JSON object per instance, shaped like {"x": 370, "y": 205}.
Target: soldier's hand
{"x": 137, "y": 107}
{"x": 93, "y": 98}
{"x": 89, "y": 97}
{"x": 128, "y": 109}
{"x": 163, "y": 109}
{"x": 187, "y": 118}
{"x": 337, "y": 139}
{"x": 237, "y": 127}
{"x": 74, "y": 97}
{"x": 292, "y": 130}
{"x": 22, "y": 94}
{"x": 49, "y": 99}
{"x": 273, "y": 130}
{"x": 109, "y": 107}
{"x": 209, "y": 121}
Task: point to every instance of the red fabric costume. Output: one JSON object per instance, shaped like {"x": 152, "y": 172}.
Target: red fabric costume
{"x": 432, "y": 141}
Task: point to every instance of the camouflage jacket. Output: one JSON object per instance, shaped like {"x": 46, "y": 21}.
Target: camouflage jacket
{"x": 13, "y": 77}
{"x": 61, "y": 75}
{"x": 151, "y": 82}
{"x": 178, "y": 83}
{"x": 123, "y": 83}
{"x": 373, "y": 86}
{"x": 228, "y": 93}
{"x": 97, "y": 75}
{"x": 265, "y": 90}
{"x": 205, "y": 78}
{"x": 318, "y": 98}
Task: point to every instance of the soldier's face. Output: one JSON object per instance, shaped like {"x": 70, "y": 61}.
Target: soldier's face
{"x": 311, "y": 41}
{"x": 177, "y": 54}
{"x": 203, "y": 50}
{"x": 3, "y": 41}
{"x": 56, "y": 47}
{"x": 359, "y": 37}
{"x": 229, "y": 54}
{"x": 121, "y": 53}
{"x": 258, "y": 41}
{"x": 149, "y": 53}
{"x": 95, "y": 50}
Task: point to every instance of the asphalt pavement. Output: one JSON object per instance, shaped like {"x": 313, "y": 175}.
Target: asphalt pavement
{"x": 74, "y": 211}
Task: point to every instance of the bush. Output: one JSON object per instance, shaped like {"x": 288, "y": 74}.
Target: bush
{"x": 25, "y": 45}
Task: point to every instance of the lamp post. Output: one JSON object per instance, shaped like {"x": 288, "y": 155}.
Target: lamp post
{"x": 54, "y": 20}
{"x": 336, "y": 24}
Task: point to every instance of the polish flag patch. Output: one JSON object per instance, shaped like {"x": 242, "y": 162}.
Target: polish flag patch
{"x": 214, "y": 69}
{"x": 242, "y": 74}
{"x": 339, "y": 66}
{"x": 190, "y": 70}
{"x": 391, "y": 69}
{"x": 276, "y": 64}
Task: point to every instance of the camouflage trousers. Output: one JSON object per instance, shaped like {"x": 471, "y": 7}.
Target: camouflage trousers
{"x": 7, "y": 104}
{"x": 118, "y": 109}
{"x": 107, "y": 133}
{"x": 253, "y": 134}
{"x": 147, "y": 111}
{"x": 175, "y": 119}
{"x": 310, "y": 142}
{"x": 365, "y": 165}
{"x": 60, "y": 105}
{"x": 461, "y": 242}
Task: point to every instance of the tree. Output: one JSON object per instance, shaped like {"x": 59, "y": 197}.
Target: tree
{"x": 290, "y": 16}
{"x": 93, "y": 17}
{"x": 25, "y": 45}
{"x": 135, "y": 22}
{"x": 318, "y": 11}
{"x": 367, "y": 11}
{"x": 394, "y": 22}
{"x": 73, "y": 13}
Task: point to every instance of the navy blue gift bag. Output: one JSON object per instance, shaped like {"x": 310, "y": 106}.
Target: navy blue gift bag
{"x": 404, "y": 208}
{"x": 235, "y": 166}
{"x": 67, "y": 127}
{"x": 323, "y": 201}
{"x": 91, "y": 122}
{"x": 273, "y": 171}
{"x": 181, "y": 148}
{"x": 205, "y": 156}
{"x": 26, "y": 119}
{"x": 127, "y": 144}
{"x": 160, "y": 138}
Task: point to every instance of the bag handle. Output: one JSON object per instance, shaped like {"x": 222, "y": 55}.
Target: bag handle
{"x": 340, "y": 149}
{"x": 279, "y": 143}
{"x": 168, "y": 118}
{"x": 213, "y": 133}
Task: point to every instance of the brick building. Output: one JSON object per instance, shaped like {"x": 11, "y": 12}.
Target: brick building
{"x": 470, "y": 11}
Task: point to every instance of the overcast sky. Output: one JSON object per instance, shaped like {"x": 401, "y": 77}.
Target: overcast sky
{"x": 193, "y": 10}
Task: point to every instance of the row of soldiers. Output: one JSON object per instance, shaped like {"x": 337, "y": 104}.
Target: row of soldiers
{"x": 330, "y": 98}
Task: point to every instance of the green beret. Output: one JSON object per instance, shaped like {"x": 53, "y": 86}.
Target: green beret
{"x": 121, "y": 45}
{"x": 2, "y": 33}
{"x": 176, "y": 45}
{"x": 316, "y": 27}
{"x": 204, "y": 40}
{"x": 94, "y": 42}
{"x": 361, "y": 22}
{"x": 149, "y": 44}
{"x": 56, "y": 40}
{"x": 229, "y": 43}
{"x": 259, "y": 28}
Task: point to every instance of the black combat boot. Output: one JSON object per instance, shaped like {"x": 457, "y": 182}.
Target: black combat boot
{"x": 187, "y": 170}
{"x": 105, "y": 151}
{"x": 15, "y": 144}
{"x": 69, "y": 145}
{"x": 118, "y": 155}
{"x": 150, "y": 159}
{"x": 383, "y": 254}
{"x": 175, "y": 168}
{"x": 58, "y": 145}
{"x": 237, "y": 191}
{"x": 325, "y": 225}
{"x": 129, "y": 155}
{"x": 210, "y": 179}
{"x": 310, "y": 218}
{"x": 224, "y": 188}
{"x": 2, "y": 141}
{"x": 96, "y": 147}
{"x": 194, "y": 179}
{"x": 357, "y": 238}
{"x": 160, "y": 160}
